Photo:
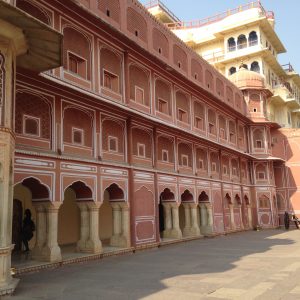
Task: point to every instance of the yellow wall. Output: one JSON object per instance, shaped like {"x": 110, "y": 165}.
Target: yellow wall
{"x": 69, "y": 220}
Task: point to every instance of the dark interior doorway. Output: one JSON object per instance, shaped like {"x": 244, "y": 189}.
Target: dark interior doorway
{"x": 161, "y": 218}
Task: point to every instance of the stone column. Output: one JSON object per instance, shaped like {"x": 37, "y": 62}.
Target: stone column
{"x": 125, "y": 225}
{"x": 41, "y": 231}
{"x": 167, "y": 220}
{"x": 249, "y": 216}
{"x": 117, "y": 225}
{"x": 176, "y": 232}
{"x": 12, "y": 43}
{"x": 203, "y": 213}
{"x": 52, "y": 250}
{"x": 241, "y": 217}
{"x": 187, "y": 215}
{"x": 84, "y": 227}
{"x": 93, "y": 244}
{"x": 195, "y": 230}
{"x": 232, "y": 223}
{"x": 209, "y": 228}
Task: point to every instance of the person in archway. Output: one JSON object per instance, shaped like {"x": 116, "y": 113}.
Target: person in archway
{"x": 28, "y": 228}
{"x": 286, "y": 220}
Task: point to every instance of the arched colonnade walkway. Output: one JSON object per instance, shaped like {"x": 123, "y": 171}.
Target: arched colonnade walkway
{"x": 77, "y": 224}
{"x": 186, "y": 218}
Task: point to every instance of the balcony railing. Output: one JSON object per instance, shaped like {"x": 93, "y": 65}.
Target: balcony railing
{"x": 288, "y": 68}
{"x": 159, "y": 3}
{"x": 221, "y": 16}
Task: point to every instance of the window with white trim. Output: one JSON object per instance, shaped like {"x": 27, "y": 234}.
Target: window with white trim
{"x": 163, "y": 106}
{"x": 139, "y": 95}
{"x": 182, "y": 115}
{"x": 222, "y": 133}
{"x": 165, "y": 155}
{"x": 111, "y": 81}
{"x": 201, "y": 164}
{"x": 77, "y": 65}
{"x": 261, "y": 175}
{"x": 112, "y": 144}
{"x": 184, "y": 160}
{"x": 31, "y": 126}
{"x": 258, "y": 144}
{"x": 141, "y": 150}
{"x": 213, "y": 167}
{"x": 199, "y": 123}
{"x": 77, "y": 136}
{"x": 234, "y": 173}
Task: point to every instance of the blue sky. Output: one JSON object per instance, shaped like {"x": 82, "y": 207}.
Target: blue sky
{"x": 287, "y": 18}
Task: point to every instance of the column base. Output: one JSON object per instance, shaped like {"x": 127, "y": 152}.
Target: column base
{"x": 119, "y": 241}
{"x": 52, "y": 254}
{"x": 206, "y": 230}
{"x": 9, "y": 287}
{"x": 38, "y": 254}
{"x": 94, "y": 247}
{"x": 166, "y": 233}
{"x": 176, "y": 234}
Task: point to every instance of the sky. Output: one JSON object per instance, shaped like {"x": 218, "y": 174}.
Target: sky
{"x": 287, "y": 19}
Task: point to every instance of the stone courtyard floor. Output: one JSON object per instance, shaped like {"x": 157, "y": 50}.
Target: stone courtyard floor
{"x": 251, "y": 265}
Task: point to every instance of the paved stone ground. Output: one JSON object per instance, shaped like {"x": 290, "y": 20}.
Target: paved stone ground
{"x": 252, "y": 265}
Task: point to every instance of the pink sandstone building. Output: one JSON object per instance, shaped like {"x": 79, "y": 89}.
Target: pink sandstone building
{"x": 128, "y": 139}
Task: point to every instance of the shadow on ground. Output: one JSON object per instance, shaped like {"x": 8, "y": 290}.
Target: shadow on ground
{"x": 145, "y": 273}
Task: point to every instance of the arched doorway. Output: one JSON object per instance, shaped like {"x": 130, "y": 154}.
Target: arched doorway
{"x": 185, "y": 216}
{"x": 203, "y": 216}
{"x": 229, "y": 210}
{"x": 74, "y": 231}
{"x": 165, "y": 213}
{"x": 114, "y": 218}
{"x": 29, "y": 194}
{"x": 238, "y": 212}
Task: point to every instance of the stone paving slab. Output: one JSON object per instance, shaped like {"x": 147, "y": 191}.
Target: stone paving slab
{"x": 250, "y": 265}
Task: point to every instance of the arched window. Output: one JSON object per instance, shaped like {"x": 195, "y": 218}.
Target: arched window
{"x": 253, "y": 39}
{"x": 242, "y": 42}
{"x": 231, "y": 44}
{"x": 255, "y": 67}
{"x": 232, "y": 70}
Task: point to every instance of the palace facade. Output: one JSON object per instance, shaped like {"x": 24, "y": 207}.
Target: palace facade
{"x": 134, "y": 141}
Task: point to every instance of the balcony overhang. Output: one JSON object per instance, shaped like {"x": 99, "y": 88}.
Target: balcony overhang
{"x": 43, "y": 50}
{"x": 273, "y": 62}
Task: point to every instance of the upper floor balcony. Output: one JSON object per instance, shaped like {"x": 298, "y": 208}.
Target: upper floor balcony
{"x": 284, "y": 94}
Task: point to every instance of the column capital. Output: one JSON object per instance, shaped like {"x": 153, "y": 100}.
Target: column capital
{"x": 40, "y": 206}
{"x": 92, "y": 205}
{"x": 53, "y": 206}
{"x": 208, "y": 205}
{"x": 194, "y": 205}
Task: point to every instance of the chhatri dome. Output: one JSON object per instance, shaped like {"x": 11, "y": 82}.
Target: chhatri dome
{"x": 245, "y": 79}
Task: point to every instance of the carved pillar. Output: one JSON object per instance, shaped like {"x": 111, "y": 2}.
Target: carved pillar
{"x": 125, "y": 225}
{"x": 117, "y": 225}
{"x": 203, "y": 215}
{"x": 167, "y": 220}
{"x": 7, "y": 150}
{"x": 93, "y": 244}
{"x": 241, "y": 217}
{"x": 176, "y": 232}
{"x": 232, "y": 223}
{"x": 195, "y": 230}
{"x": 187, "y": 215}
{"x": 41, "y": 231}
{"x": 52, "y": 250}
{"x": 84, "y": 227}
{"x": 249, "y": 216}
